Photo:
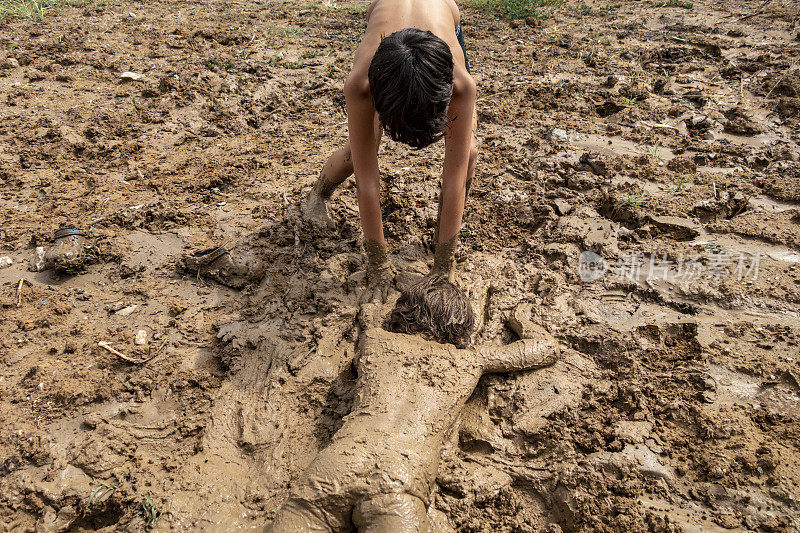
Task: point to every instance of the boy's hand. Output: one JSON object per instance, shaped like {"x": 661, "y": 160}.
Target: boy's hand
{"x": 380, "y": 284}
{"x": 444, "y": 259}
{"x": 380, "y": 274}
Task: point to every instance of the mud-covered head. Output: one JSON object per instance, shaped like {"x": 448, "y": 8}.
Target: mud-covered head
{"x": 435, "y": 309}
{"x": 411, "y": 81}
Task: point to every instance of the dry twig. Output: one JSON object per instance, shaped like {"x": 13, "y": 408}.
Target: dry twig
{"x": 19, "y": 293}
{"x": 106, "y": 346}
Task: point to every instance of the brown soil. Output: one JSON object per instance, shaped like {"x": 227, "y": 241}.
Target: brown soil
{"x": 678, "y": 407}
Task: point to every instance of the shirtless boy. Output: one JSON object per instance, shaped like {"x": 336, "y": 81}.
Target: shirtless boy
{"x": 410, "y": 79}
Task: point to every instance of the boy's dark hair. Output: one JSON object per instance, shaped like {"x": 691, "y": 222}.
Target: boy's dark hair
{"x": 436, "y": 309}
{"x": 411, "y": 81}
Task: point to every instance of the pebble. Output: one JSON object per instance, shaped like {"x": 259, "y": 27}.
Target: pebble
{"x": 128, "y": 75}
{"x": 559, "y": 136}
{"x": 115, "y": 306}
{"x": 141, "y": 337}
{"x": 37, "y": 259}
{"x": 562, "y": 206}
{"x": 10, "y": 62}
{"x": 6, "y": 261}
{"x": 126, "y": 311}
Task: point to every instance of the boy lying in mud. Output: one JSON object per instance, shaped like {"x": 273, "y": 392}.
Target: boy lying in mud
{"x": 378, "y": 472}
{"x": 410, "y": 79}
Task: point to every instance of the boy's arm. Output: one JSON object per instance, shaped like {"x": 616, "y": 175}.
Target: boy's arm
{"x": 525, "y": 354}
{"x": 456, "y": 161}
{"x": 361, "y": 126}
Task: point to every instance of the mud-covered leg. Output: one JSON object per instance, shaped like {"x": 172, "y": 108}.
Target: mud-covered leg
{"x": 337, "y": 169}
{"x": 298, "y": 517}
{"x": 391, "y": 513}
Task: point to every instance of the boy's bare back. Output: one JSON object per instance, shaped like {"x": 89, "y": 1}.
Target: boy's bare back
{"x": 385, "y": 17}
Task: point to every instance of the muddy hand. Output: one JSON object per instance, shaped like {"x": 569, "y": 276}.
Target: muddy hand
{"x": 444, "y": 259}
{"x": 380, "y": 274}
{"x": 380, "y": 284}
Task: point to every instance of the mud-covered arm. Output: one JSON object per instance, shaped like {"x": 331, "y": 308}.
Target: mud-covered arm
{"x": 525, "y": 354}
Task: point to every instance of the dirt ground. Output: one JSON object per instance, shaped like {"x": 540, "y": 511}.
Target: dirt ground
{"x": 658, "y": 140}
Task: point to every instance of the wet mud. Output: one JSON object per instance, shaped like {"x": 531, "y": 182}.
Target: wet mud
{"x": 661, "y": 137}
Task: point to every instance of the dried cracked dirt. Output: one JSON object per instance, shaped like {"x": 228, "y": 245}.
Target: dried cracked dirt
{"x": 637, "y": 195}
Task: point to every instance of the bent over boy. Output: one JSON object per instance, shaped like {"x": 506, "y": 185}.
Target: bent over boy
{"x": 410, "y": 79}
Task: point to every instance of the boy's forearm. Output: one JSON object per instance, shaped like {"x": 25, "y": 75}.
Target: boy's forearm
{"x": 453, "y": 197}
{"x": 369, "y": 208}
{"x": 360, "y": 119}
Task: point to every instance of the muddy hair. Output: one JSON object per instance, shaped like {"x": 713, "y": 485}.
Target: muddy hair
{"x": 411, "y": 81}
{"x": 435, "y": 309}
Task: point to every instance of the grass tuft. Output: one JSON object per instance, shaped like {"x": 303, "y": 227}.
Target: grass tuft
{"x": 633, "y": 200}
{"x": 33, "y": 9}
{"x": 149, "y": 513}
{"x": 516, "y": 9}
{"x": 672, "y": 3}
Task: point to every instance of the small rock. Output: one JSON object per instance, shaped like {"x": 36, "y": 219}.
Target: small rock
{"x": 562, "y": 206}
{"x": 34, "y": 74}
{"x": 559, "y": 136}
{"x": 141, "y": 338}
{"x": 6, "y": 261}
{"x": 37, "y": 259}
{"x": 709, "y": 136}
{"x": 632, "y": 431}
{"x": 72, "y": 138}
{"x": 679, "y": 228}
{"x": 10, "y": 62}
{"x": 126, "y": 311}
{"x": 131, "y": 76}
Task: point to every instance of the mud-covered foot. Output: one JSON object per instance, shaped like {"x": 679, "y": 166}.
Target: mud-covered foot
{"x": 315, "y": 210}
{"x": 232, "y": 268}
{"x": 70, "y": 251}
